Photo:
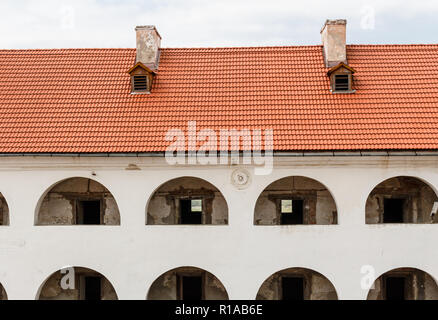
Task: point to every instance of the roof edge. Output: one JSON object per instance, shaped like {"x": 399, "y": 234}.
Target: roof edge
{"x": 333, "y": 153}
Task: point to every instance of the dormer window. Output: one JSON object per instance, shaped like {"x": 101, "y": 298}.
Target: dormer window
{"x": 141, "y": 78}
{"x": 341, "y": 78}
{"x": 342, "y": 82}
{"x": 140, "y": 83}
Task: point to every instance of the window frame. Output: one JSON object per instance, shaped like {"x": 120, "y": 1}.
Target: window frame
{"x": 179, "y": 215}
{"x": 134, "y": 90}
{"x": 81, "y": 284}
{"x": 179, "y": 282}
{"x": 409, "y": 198}
{"x": 307, "y": 278}
{"x": 309, "y": 206}
{"x": 407, "y": 275}
{"x": 76, "y": 217}
{"x": 336, "y": 84}
{"x": 293, "y": 198}
{"x": 342, "y": 71}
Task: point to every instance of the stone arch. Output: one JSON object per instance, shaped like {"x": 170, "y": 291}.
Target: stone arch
{"x": 187, "y": 283}
{"x": 4, "y": 211}
{"x": 295, "y": 200}
{"x": 3, "y": 294}
{"x": 297, "y": 284}
{"x": 166, "y": 205}
{"x": 401, "y": 199}
{"x": 404, "y": 283}
{"x": 86, "y": 284}
{"x": 77, "y": 200}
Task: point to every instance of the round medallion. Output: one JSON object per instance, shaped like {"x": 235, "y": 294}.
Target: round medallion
{"x": 240, "y": 178}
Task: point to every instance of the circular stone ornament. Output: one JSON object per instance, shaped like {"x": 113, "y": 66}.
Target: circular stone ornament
{"x": 240, "y": 178}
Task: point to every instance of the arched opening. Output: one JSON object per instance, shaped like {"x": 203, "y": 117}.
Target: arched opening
{"x": 3, "y": 295}
{"x": 77, "y": 283}
{"x": 297, "y": 284}
{"x": 187, "y": 283}
{"x": 404, "y": 284}
{"x": 187, "y": 200}
{"x": 295, "y": 200}
{"x": 4, "y": 211}
{"x": 78, "y": 201}
{"x": 401, "y": 200}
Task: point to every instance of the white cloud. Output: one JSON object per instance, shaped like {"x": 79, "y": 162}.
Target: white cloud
{"x": 110, "y": 23}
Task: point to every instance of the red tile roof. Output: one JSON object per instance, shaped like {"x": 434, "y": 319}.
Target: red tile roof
{"x": 78, "y": 100}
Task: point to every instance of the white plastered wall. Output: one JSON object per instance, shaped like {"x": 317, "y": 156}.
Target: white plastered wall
{"x": 131, "y": 256}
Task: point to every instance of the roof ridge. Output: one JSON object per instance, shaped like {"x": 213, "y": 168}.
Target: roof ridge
{"x": 215, "y": 48}
{"x": 392, "y": 45}
{"x": 65, "y": 49}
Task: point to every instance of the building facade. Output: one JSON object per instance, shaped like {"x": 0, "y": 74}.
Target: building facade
{"x": 241, "y": 255}
{"x": 91, "y": 208}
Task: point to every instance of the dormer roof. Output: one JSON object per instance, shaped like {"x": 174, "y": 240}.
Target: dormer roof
{"x": 339, "y": 66}
{"x": 141, "y": 66}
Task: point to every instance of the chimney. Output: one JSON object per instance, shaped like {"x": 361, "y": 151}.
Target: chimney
{"x": 148, "y": 46}
{"x": 333, "y": 35}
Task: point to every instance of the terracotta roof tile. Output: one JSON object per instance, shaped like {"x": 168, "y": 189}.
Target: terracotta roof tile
{"x": 78, "y": 100}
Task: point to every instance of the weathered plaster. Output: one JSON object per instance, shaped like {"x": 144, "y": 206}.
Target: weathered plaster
{"x": 52, "y": 289}
{"x": 58, "y": 206}
{"x": 418, "y": 204}
{"x": 163, "y": 206}
{"x": 319, "y": 205}
{"x": 421, "y": 286}
{"x": 4, "y": 211}
{"x": 165, "y": 287}
{"x": 3, "y": 295}
{"x": 317, "y": 287}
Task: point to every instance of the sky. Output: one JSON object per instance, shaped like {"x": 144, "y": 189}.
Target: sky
{"x": 26, "y": 24}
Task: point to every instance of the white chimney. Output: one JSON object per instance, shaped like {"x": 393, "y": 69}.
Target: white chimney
{"x": 148, "y": 46}
{"x": 333, "y": 35}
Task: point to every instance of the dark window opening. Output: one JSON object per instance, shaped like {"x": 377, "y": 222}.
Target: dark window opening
{"x": 393, "y": 210}
{"x": 93, "y": 287}
{"x": 88, "y": 212}
{"x": 342, "y": 82}
{"x": 140, "y": 83}
{"x": 292, "y": 288}
{"x": 395, "y": 288}
{"x": 291, "y": 211}
{"x": 190, "y": 288}
{"x": 191, "y": 211}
